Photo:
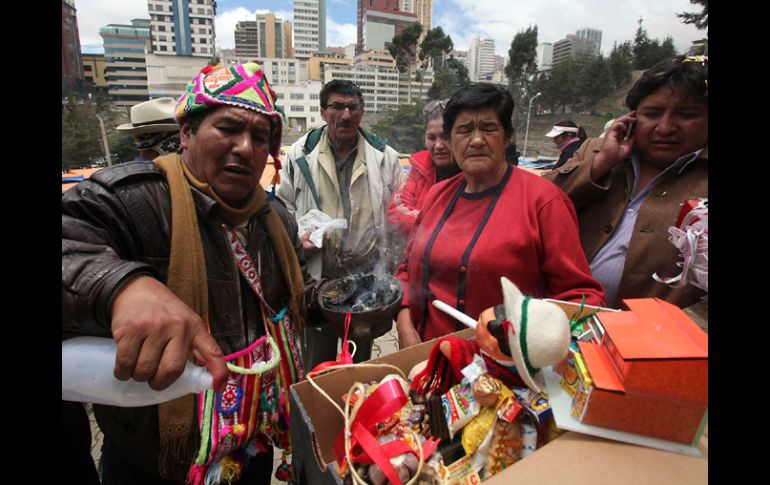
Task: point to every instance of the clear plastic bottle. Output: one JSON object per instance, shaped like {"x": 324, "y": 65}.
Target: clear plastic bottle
{"x": 87, "y": 365}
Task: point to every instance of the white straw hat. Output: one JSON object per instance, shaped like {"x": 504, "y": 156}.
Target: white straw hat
{"x": 154, "y": 116}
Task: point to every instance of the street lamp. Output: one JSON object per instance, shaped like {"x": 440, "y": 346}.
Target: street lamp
{"x": 104, "y": 141}
{"x": 526, "y": 132}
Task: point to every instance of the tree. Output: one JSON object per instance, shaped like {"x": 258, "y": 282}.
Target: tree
{"x": 595, "y": 81}
{"x": 620, "y": 64}
{"x": 403, "y": 128}
{"x": 434, "y": 47}
{"x": 403, "y": 48}
{"x": 700, "y": 20}
{"x": 522, "y": 69}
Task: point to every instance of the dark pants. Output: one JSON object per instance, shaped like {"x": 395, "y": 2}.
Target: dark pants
{"x": 76, "y": 461}
{"x": 117, "y": 471}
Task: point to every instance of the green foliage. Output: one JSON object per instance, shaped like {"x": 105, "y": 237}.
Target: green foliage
{"x": 403, "y": 48}
{"x": 620, "y": 64}
{"x": 82, "y": 137}
{"x": 434, "y": 48}
{"x": 522, "y": 71}
{"x": 647, "y": 52}
{"x": 403, "y": 128}
{"x": 699, "y": 19}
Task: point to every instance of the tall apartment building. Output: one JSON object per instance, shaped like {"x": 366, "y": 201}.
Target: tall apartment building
{"x": 593, "y": 35}
{"x": 572, "y": 47}
{"x": 268, "y": 36}
{"x": 423, "y": 9}
{"x": 363, "y": 7}
{"x": 125, "y": 48}
{"x": 481, "y": 59}
{"x": 544, "y": 54}
{"x": 380, "y": 26}
{"x": 246, "y": 39}
{"x": 318, "y": 63}
{"x": 182, "y": 27}
{"x": 309, "y": 27}
{"x": 168, "y": 75}
{"x": 301, "y": 104}
{"x": 71, "y": 65}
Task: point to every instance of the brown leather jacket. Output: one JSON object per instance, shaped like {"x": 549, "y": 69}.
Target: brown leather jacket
{"x": 118, "y": 224}
{"x": 600, "y": 207}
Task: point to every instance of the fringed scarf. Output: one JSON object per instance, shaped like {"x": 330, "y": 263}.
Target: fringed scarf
{"x": 187, "y": 280}
{"x": 440, "y": 374}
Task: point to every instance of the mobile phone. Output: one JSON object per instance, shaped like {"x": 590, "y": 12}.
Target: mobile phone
{"x": 630, "y": 126}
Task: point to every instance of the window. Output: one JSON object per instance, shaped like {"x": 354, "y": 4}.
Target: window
{"x": 298, "y": 108}
{"x": 162, "y": 48}
{"x": 297, "y": 96}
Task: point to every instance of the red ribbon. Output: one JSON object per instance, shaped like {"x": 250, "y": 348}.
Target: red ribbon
{"x": 344, "y": 356}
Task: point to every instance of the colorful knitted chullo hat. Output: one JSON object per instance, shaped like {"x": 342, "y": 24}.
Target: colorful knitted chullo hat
{"x": 243, "y": 86}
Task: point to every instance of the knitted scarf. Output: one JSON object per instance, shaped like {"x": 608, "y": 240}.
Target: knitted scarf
{"x": 440, "y": 374}
{"x": 187, "y": 279}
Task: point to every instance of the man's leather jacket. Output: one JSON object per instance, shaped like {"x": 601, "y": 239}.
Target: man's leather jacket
{"x": 117, "y": 225}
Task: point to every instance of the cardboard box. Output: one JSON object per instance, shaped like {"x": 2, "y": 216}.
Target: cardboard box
{"x": 650, "y": 373}
{"x": 316, "y": 423}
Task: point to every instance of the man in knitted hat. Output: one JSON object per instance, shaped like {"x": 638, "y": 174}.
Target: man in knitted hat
{"x": 186, "y": 258}
{"x": 347, "y": 173}
{"x": 153, "y": 127}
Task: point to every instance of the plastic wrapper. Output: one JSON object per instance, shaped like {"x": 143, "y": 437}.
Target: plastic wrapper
{"x": 691, "y": 236}
{"x": 319, "y": 223}
{"x": 459, "y": 407}
{"x": 487, "y": 390}
{"x": 475, "y": 431}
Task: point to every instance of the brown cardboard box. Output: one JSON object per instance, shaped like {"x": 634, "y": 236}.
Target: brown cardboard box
{"x": 576, "y": 457}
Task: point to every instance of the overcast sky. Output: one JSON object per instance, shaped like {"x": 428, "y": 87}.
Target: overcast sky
{"x": 499, "y": 20}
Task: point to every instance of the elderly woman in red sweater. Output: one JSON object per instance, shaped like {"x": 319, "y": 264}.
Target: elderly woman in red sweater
{"x": 492, "y": 220}
{"x": 428, "y": 168}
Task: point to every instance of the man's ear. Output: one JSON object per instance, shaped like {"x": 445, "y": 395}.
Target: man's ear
{"x": 185, "y": 132}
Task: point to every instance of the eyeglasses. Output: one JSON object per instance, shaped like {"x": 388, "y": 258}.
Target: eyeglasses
{"x": 336, "y": 106}
{"x": 434, "y": 105}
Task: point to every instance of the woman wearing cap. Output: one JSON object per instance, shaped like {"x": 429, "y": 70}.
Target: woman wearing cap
{"x": 567, "y": 136}
{"x": 428, "y": 168}
{"x": 495, "y": 220}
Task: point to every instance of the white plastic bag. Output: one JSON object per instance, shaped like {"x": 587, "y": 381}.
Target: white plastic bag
{"x": 318, "y": 222}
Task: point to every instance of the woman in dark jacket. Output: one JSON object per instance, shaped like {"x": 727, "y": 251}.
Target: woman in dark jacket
{"x": 567, "y": 136}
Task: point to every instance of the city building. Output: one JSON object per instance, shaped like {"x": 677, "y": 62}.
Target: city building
{"x": 71, "y": 65}
{"x": 301, "y": 104}
{"x": 379, "y": 85}
{"x": 169, "y": 75}
{"x": 423, "y": 9}
{"x": 481, "y": 59}
{"x": 309, "y": 27}
{"x": 375, "y": 57}
{"x": 593, "y": 35}
{"x": 572, "y": 47}
{"x": 279, "y": 70}
{"x": 413, "y": 86}
{"x": 320, "y": 60}
{"x": 544, "y": 55}
{"x": 95, "y": 71}
{"x": 380, "y": 26}
{"x": 246, "y": 39}
{"x": 182, "y": 27}
{"x": 125, "y": 48}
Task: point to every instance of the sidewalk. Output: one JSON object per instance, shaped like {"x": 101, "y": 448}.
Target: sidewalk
{"x": 387, "y": 344}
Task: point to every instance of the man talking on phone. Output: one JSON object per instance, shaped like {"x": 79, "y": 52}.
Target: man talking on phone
{"x": 628, "y": 187}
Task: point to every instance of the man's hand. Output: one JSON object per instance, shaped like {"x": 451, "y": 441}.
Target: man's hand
{"x": 307, "y": 244}
{"x": 618, "y": 142}
{"x": 407, "y": 334}
{"x": 155, "y": 330}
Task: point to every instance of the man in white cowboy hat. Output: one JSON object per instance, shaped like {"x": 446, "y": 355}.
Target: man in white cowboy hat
{"x": 155, "y": 131}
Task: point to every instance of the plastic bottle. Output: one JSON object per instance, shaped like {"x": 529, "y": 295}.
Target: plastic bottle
{"x": 87, "y": 365}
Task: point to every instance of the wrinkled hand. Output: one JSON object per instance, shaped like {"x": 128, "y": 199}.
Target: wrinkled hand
{"x": 154, "y": 331}
{"x": 615, "y": 148}
{"x": 407, "y": 334}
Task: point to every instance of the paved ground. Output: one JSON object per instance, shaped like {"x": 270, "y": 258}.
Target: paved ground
{"x": 384, "y": 345}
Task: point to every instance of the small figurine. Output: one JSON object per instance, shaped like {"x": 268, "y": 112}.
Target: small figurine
{"x": 522, "y": 335}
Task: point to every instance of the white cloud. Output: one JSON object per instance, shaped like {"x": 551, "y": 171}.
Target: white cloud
{"x": 339, "y": 35}
{"x": 95, "y": 14}
{"x": 465, "y": 19}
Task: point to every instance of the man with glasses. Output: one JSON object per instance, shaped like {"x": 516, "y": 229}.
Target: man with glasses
{"x": 345, "y": 172}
